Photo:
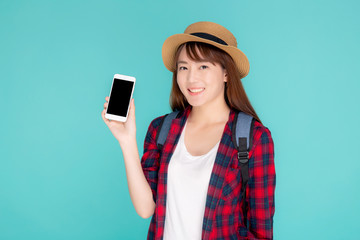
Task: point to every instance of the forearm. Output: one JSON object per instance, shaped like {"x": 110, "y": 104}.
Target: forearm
{"x": 139, "y": 189}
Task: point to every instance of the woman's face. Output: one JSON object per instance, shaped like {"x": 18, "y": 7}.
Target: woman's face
{"x": 202, "y": 83}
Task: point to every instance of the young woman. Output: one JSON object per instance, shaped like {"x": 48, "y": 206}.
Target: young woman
{"x": 192, "y": 185}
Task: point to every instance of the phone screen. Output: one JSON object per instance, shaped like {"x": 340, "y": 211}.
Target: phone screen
{"x": 120, "y": 97}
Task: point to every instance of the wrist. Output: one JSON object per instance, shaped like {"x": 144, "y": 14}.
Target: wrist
{"x": 125, "y": 142}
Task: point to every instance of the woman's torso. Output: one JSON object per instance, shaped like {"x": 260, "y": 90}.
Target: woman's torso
{"x": 187, "y": 185}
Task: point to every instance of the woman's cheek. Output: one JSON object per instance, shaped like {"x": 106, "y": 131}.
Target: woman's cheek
{"x": 182, "y": 87}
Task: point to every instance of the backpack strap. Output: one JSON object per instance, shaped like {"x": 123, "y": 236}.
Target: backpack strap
{"x": 164, "y": 129}
{"x": 242, "y": 139}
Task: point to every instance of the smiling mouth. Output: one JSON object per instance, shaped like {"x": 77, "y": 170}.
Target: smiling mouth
{"x": 196, "y": 90}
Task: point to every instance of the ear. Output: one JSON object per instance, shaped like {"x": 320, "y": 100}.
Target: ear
{"x": 225, "y": 76}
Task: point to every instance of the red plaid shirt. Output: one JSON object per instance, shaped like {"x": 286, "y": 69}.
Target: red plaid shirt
{"x": 223, "y": 217}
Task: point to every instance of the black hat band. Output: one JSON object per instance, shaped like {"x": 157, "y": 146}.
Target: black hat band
{"x": 209, "y": 37}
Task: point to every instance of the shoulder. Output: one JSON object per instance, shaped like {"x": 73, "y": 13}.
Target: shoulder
{"x": 156, "y": 123}
{"x": 260, "y": 133}
{"x": 154, "y": 126}
{"x": 151, "y": 134}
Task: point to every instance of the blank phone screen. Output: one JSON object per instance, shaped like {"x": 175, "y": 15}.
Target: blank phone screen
{"x": 120, "y": 97}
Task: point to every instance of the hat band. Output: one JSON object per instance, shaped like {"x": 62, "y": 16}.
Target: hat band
{"x": 209, "y": 37}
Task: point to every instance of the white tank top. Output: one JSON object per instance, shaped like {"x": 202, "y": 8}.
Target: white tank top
{"x": 187, "y": 185}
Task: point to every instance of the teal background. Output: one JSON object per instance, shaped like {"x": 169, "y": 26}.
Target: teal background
{"x": 62, "y": 174}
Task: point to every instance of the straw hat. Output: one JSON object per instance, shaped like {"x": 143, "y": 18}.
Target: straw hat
{"x": 206, "y": 32}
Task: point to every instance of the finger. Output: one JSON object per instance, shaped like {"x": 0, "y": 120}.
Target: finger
{"x": 105, "y": 105}
{"x": 107, "y": 121}
{"x": 132, "y": 109}
{"x": 107, "y": 98}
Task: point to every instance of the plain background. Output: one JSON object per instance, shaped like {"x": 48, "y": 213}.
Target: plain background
{"x": 62, "y": 172}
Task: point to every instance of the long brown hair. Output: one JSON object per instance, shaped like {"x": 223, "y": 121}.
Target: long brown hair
{"x": 235, "y": 95}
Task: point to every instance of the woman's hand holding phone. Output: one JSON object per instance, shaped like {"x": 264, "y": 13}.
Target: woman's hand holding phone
{"x": 122, "y": 131}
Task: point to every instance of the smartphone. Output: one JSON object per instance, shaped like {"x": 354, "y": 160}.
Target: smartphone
{"x": 121, "y": 92}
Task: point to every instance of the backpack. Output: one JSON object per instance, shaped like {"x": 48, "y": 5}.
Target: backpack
{"x": 241, "y": 137}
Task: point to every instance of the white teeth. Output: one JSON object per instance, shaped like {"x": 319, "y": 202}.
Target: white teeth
{"x": 196, "y": 90}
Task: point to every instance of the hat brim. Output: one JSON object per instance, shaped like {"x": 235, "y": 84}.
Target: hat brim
{"x": 173, "y": 42}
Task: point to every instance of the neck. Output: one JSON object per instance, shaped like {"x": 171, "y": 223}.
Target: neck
{"x": 211, "y": 113}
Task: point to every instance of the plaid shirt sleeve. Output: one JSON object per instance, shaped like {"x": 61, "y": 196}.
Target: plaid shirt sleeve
{"x": 261, "y": 187}
{"x": 151, "y": 155}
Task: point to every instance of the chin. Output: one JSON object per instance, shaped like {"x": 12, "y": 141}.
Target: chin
{"x": 195, "y": 103}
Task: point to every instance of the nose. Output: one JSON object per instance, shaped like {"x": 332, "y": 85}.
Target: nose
{"x": 192, "y": 75}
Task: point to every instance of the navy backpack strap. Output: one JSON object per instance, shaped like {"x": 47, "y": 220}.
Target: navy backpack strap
{"x": 164, "y": 129}
{"x": 242, "y": 139}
